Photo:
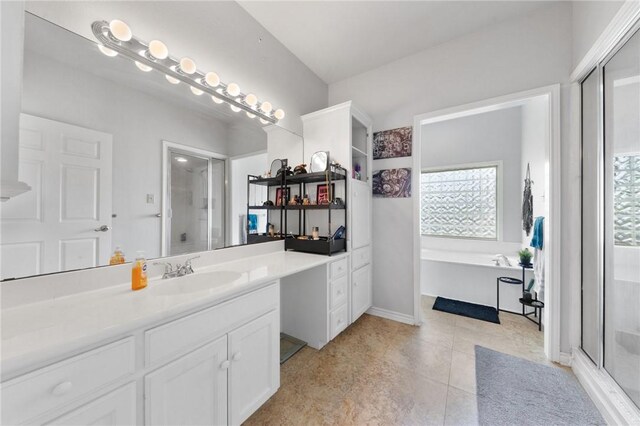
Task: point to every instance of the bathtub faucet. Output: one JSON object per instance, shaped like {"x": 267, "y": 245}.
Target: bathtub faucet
{"x": 501, "y": 260}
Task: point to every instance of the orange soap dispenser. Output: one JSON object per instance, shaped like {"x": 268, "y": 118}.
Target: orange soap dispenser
{"x": 139, "y": 272}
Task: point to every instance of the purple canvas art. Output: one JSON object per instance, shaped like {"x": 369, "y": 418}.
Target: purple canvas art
{"x": 392, "y": 143}
{"x": 392, "y": 183}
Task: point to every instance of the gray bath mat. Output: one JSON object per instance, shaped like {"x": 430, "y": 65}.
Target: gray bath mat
{"x": 514, "y": 391}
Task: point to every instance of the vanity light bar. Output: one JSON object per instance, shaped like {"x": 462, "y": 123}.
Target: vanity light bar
{"x": 116, "y": 37}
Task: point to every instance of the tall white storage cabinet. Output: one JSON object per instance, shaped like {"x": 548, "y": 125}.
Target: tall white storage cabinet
{"x": 345, "y": 131}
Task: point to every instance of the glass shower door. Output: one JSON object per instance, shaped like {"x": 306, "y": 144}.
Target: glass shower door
{"x": 189, "y": 194}
{"x": 622, "y": 217}
{"x": 196, "y": 195}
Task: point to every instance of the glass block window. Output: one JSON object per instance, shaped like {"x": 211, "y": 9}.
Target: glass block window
{"x": 460, "y": 203}
{"x": 626, "y": 200}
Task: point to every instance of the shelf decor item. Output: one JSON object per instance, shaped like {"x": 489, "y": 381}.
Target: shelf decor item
{"x": 319, "y": 162}
{"x": 282, "y": 196}
{"x": 324, "y": 195}
{"x": 392, "y": 143}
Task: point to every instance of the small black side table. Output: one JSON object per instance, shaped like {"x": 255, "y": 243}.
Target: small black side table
{"x": 524, "y": 268}
{"x": 537, "y": 306}
{"x": 506, "y": 280}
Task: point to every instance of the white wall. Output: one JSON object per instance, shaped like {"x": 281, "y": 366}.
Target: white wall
{"x": 220, "y": 36}
{"x": 487, "y": 137}
{"x": 589, "y": 19}
{"x": 535, "y": 134}
{"x": 509, "y": 57}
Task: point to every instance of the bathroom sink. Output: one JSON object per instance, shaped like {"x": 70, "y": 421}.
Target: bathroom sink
{"x": 193, "y": 283}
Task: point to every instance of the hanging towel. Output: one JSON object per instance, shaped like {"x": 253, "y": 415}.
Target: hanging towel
{"x": 527, "y": 204}
{"x": 538, "y": 233}
{"x": 538, "y": 272}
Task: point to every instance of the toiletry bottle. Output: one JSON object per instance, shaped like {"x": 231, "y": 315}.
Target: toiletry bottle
{"x": 139, "y": 272}
{"x": 118, "y": 257}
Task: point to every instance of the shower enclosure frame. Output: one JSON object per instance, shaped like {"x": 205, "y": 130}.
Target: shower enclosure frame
{"x": 167, "y": 149}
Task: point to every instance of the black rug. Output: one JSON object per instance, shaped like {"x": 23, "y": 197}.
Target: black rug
{"x": 466, "y": 309}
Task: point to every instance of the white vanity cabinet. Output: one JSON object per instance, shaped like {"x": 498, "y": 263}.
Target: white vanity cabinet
{"x": 222, "y": 382}
{"x": 214, "y": 366}
{"x": 346, "y": 132}
{"x": 190, "y": 390}
{"x": 114, "y": 409}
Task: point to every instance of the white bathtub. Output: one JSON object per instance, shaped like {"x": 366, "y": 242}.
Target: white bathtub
{"x": 470, "y": 277}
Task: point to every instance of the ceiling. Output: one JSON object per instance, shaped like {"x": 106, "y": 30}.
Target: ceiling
{"x": 340, "y": 39}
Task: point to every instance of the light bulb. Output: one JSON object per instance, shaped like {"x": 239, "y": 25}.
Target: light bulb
{"x": 172, "y": 80}
{"x": 266, "y": 107}
{"x": 233, "y": 89}
{"x": 279, "y": 114}
{"x": 196, "y": 91}
{"x": 251, "y": 99}
{"x": 158, "y": 49}
{"x": 120, "y": 30}
{"x": 250, "y": 115}
{"x": 234, "y": 108}
{"x": 187, "y": 65}
{"x": 107, "y": 51}
{"x": 263, "y": 121}
{"x": 143, "y": 67}
{"x": 215, "y": 99}
{"x": 212, "y": 79}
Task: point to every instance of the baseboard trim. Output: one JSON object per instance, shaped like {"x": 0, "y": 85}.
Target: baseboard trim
{"x": 391, "y": 315}
{"x": 613, "y": 403}
{"x": 565, "y": 359}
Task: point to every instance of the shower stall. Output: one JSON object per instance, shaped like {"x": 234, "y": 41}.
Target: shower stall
{"x": 610, "y": 292}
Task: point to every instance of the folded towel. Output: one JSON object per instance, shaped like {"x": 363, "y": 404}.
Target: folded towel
{"x": 538, "y": 233}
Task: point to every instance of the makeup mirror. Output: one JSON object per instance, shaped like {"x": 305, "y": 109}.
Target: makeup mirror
{"x": 319, "y": 161}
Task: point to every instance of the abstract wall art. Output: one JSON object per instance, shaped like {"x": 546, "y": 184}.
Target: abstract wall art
{"x": 392, "y": 183}
{"x": 392, "y": 143}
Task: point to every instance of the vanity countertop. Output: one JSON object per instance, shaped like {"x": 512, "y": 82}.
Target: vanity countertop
{"x": 34, "y": 333}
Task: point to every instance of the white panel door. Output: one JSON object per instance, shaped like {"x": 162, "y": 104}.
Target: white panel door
{"x": 360, "y": 214}
{"x": 53, "y": 226}
{"x": 361, "y": 291}
{"x": 254, "y": 351}
{"x": 117, "y": 408}
{"x": 191, "y": 390}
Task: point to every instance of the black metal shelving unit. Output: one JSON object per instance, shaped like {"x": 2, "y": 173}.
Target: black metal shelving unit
{"x": 273, "y": 212}
{"x": 325, "y": 245}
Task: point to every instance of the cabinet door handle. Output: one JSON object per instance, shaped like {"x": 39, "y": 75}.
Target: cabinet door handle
{"x": 225, "y": 364}
{"x": 62, "y": 388}
{"x": 355, "y": 283}
{"x": 237, "y": 356}
{"x": 339, "y": 292}
{"x": 339, "y": 321}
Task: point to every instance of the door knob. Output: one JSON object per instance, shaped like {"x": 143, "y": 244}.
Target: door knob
{"x": 62, "y": 388}
{"x": 225, "y": 364}
{"x": 103, "y": 228}
{"x": 237, "y": 356}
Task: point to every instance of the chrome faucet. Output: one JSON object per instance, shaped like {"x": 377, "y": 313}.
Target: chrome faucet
{"x": 186, "y": 269}
{"x": 179, "y": 271}
{"x": 501, "y": 259}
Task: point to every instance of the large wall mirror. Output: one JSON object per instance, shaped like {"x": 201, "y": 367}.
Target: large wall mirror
{"x": 119, "y": 157}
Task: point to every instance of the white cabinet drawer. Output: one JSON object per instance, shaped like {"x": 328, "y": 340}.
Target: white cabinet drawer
{"x": 338, "y": 320}
{"x": 338, "y": 268}
{"x": 170, "y": 340}
{"x": 35, "y": 393}
{"x": 360, "y": 257}
{"x": 338, "y": 291}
